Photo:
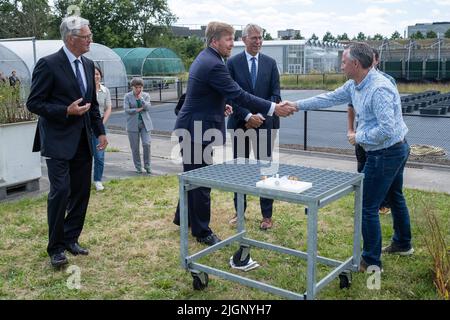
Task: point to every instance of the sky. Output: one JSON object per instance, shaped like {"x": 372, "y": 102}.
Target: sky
{"x": 367, "y": 16}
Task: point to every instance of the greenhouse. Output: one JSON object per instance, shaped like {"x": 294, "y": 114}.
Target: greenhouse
{"x": 148, "y": 62}
{"x": 23, "y": 55}
{"x": 300, "y": 56}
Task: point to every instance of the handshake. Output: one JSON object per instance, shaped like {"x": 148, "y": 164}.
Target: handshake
{"x": 285, "y": 108}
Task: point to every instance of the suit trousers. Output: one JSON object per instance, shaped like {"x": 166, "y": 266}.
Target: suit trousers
{"x": 260, "y": 154}
{"x": 70, "y": 186}
{"x": 199, "y": 200}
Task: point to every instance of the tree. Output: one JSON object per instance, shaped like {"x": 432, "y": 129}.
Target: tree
{"x": 266, "y": 35}
{"x": 342, "y": 37}
{"x": 298, "y": 36}
{"x": 431, "y": 34}
{"x": 417, "y": 35}
{"x": 378, "y": 37}
{"x": 396, "y": 35}
{"x": 361, "y": 37}
{"x": 328, "y": 37}
{"x": 447, "y": 34}
{"x": 26, "y": 18}
{"x": 122, "y": 23}
{"x": 314, "y": 37}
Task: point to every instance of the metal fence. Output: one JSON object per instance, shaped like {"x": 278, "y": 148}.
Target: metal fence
{"x": 160, "y": 91}
{"x": 326, "y": 130}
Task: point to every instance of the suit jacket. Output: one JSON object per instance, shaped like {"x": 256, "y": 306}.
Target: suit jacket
{"x": 209, "y": 87}
{"x": 130, "y": 106}
{"x": 267, "y": 87}
{"x": 54, "y": 87}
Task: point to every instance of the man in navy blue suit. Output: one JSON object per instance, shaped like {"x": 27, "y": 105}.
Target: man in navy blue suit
{"x": 257, "y": 74}
{"x": 63, "y": 95}
{"x": 209, "y": 87}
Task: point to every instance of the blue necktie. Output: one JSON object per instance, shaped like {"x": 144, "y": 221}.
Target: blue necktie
{"x": 253, "y": 72}
{"x": 79, "y": 79}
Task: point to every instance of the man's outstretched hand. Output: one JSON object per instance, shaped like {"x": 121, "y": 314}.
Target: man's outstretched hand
{"x": 285, "y": 109}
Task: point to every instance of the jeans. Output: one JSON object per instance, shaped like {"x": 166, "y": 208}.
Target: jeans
{"x": 384, "y": 178}
{"x": 361, "y": 158}
{"x": 99, "y": 160}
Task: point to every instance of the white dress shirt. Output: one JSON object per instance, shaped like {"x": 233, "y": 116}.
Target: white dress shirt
{"x": 72, "y": 59}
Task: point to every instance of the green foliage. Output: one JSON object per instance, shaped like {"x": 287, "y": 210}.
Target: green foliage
{"x": 11, "y": 110}
{"x": 266, "y": 35}
{"x": 344, "y": 36}
{"x": 417, "y": 35}
{"x": 328, "y": 37}
{"x": 26, "y": 18}
{"x": 447, "y": 33}
{"x": 396, "y": 35}
{"x": 314, "y": 37}
{"x": 120, "y": 23}
{"x": 186, "y": 48}
{"x": 134, "y": 248}
{"x": 431, "y": 35}
{"x": 298, "y": 36}
{"x": 378, "y": 37}
{"x": 361, "y": 36}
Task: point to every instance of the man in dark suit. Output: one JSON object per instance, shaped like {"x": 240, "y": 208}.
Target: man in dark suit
{"x": 257, "y": 74}
{"x": 63, "y": 95}
{"x": 209, "y": 87}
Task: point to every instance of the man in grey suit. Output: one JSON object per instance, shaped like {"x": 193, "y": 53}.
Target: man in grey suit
{"x": 257, "y": 74}
{"x": 139, "y": 124}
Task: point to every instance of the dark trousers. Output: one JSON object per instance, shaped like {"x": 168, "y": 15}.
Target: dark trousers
{"x": 260, "y": 154}
{"x": 70, "y": 186}
{"x": 199, "y": 200}
{"x": 361, "y": 158}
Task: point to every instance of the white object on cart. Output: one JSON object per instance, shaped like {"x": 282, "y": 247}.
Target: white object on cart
{"x": 284, "y": 184}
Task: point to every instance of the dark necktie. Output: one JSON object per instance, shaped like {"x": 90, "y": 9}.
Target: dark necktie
{"x": 253, "y": 72}
{"x": 79, "y": 79}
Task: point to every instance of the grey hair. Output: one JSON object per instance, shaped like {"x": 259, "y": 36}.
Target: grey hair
{"x": 251, "y": 27}
{"x": 72, "y": 25}
{"x": 137, "y": 81}
{"x": 362, "y": 52}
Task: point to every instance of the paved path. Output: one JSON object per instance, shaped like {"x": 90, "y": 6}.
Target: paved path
{"x": 119, "y": 164}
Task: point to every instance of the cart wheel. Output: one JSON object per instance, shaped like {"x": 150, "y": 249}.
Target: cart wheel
{"x": 345, "y": 280}
{"x": 200, "y": 280}
{"x": 242, "y": 256}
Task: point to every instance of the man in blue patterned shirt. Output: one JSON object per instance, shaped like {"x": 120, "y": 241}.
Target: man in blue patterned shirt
{"x": 360, "y": 153}
{"x": 381, "y": 132}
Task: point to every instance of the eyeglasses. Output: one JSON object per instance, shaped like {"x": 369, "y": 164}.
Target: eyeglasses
{"x": 86, "y": 37}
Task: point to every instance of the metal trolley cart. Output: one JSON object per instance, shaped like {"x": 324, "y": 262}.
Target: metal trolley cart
{"x": 240, "y": 176}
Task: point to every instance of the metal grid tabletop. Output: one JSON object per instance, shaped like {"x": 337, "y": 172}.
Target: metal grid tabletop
{"x": 242, "y": 174}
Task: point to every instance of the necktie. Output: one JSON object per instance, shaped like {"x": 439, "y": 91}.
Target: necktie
{"x": 253, "y": 72}
{"x": 79, "y": 79}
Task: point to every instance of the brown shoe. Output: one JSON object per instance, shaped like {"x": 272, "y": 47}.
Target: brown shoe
{"x": 385, "y": 210}
{"x": 233, "y": 220}
{"x": 266, "y": 223}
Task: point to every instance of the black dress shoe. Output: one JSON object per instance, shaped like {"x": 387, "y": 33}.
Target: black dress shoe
{"x": 75, "y": 249}
{"x": 210, "y": 240}
{"x": 58, "y": 259}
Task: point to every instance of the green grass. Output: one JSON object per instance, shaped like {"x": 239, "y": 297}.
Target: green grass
{"x": 134, "y": 248}
{"x": 112, "y": 149}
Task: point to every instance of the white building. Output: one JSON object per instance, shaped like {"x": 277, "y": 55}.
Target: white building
{"x": 300, "y": 56}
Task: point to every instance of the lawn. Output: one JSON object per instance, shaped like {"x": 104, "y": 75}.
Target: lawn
{"x": 134, "y": 248}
